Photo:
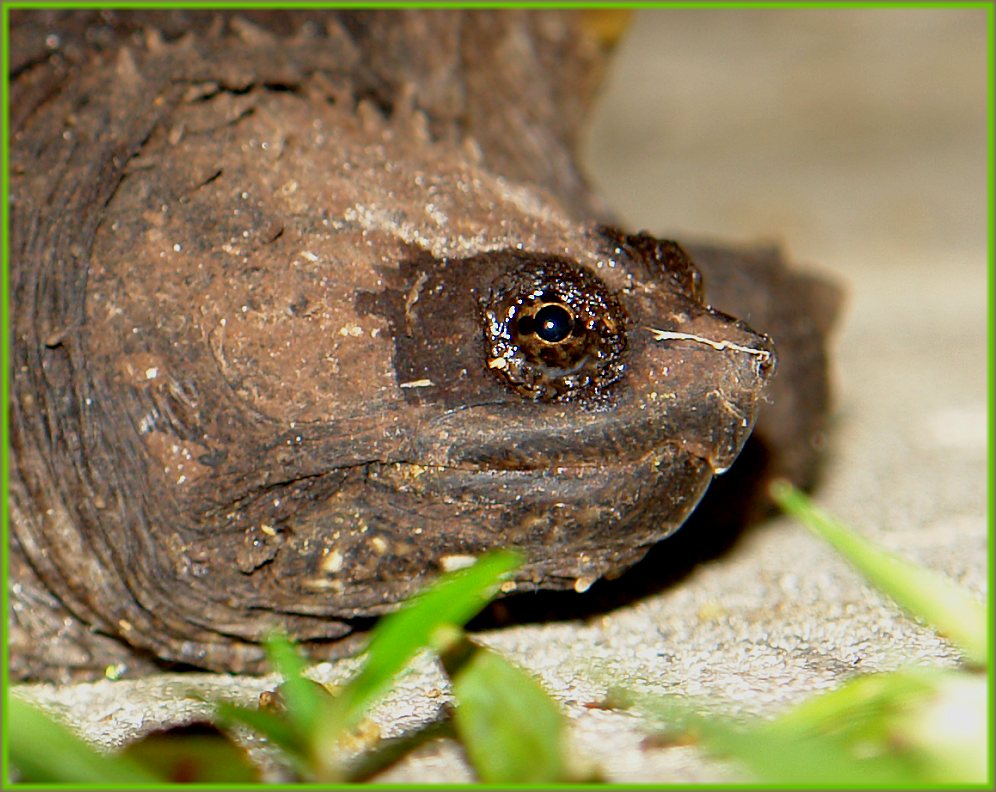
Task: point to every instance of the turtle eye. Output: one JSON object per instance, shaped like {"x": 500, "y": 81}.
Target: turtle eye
{"x": 552, "y": 323}
{"x": 553, "y": 332}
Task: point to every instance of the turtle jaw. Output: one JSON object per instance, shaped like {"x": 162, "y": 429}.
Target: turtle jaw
{"x": 574, "y": 524}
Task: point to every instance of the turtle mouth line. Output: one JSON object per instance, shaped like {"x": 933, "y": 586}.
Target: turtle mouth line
{"x": 552, "y": 466}
{"x": 722, "y": 425}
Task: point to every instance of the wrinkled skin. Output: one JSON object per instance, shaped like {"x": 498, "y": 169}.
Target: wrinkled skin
{"x": 254, "y": 272}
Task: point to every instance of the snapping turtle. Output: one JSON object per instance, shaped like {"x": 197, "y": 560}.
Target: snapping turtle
{"x": 307, "y": 307}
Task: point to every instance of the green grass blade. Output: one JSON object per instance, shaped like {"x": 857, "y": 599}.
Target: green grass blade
{"x": 512, "y": 731}
{"x": 300, "y": 693}
{"x": 925, "y": 594}
{"x": 275, "y": 728}
{"x": 780, "y": 758}
{"x": 399, "y": 636}
{"x": 898, "y": 730}
{"x": 861, "y": 709}
{"x": 44, "y": 751}
{"x": 933, "y": 719}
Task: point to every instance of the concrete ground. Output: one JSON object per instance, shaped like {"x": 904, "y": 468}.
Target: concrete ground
{"x": 857, "y": 139}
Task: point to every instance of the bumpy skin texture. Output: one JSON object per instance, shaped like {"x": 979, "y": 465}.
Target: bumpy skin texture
{"x": 252, "y": 260}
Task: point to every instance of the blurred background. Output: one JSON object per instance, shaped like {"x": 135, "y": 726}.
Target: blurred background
{"x": 855, "y": 136}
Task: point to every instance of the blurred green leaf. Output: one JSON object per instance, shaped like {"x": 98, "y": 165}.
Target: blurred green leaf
{"x": 861, "y": 709}
{"x": 512, "y": 730}
{"x": 934, "y": 599}
{"x": 777, "y": 757}
{"x": 276, "y": 728}
{"x": 399, "y": 636}
{"x": 310, "y": 724}
{"x": 394, "y": 642}
{"x": 951, "y": 730}
{"x": 934, "y": 720}
{"x": 198, "y": 753}
{"x": 780, "y": 753}
{"x": 45, "y": 751}
{"x": 302, "y": 697}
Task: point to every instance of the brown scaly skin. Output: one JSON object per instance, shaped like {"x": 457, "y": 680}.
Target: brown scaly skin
{"x": 252, "y": 261}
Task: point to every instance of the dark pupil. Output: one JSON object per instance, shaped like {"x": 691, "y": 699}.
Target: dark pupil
{"x": 553, "y": 323}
